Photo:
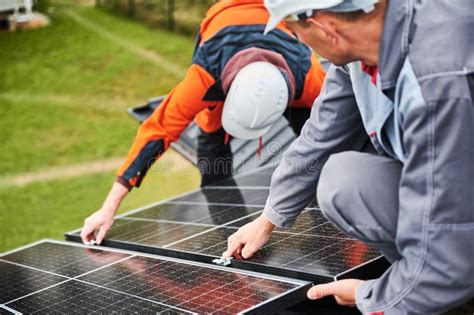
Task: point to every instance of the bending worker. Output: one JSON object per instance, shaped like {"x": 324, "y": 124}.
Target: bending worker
{"x": 401, "y": 82}
{"x": 240, "y": 80}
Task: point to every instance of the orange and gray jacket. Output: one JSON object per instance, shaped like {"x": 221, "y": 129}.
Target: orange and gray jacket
{"x": 418, "y": 108}
{"x": 230, "y": 36}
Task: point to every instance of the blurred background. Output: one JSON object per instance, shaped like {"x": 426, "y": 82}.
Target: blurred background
{"x": 67, "y": 75}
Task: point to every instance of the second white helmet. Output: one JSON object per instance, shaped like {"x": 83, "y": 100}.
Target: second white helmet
{"x": 257, "y": 98}
{"x": 279, "y": 9}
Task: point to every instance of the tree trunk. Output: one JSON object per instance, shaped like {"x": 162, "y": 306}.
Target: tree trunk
{"x": 131, "y": 8}
{"x": 170, "y": 18}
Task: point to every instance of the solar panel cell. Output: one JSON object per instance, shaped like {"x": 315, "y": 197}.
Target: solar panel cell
{"x": 66, "y": 261}
{"x": 17, "y": 281}
{"x": 260, "y": 177}
{"x": 4, "y": 311}
{"x": 326, "y": 256}
{"x": 232, "y": 196}
{"x": 195, "y": 213}
{"x": 75, "y": 297}
{"x": 129, "y": 283}
{"x": 186, "y": 286}
{"x": 151, "y": 232}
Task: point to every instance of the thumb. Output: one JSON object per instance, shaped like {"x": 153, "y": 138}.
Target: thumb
{"x": 322, "y": 290}
{"x": 101, "y": 235}
{"x": 232, "y": 248}
{"x": 86, "y": 234}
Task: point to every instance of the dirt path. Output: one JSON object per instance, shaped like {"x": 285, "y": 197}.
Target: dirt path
{"x": 170, "y": 162}
{"x": 146, "y": 54}
{"x": 115, "y": 105}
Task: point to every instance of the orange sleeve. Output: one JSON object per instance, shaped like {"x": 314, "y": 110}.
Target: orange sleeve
{"x": 165, "y": 125}
{"x": 312, "y": 85}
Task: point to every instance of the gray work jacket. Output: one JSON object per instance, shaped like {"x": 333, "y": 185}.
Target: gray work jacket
{"x": 419, "y": 110}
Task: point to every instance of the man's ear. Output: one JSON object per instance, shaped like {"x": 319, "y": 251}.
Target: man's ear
{"x": 328, "y": 30}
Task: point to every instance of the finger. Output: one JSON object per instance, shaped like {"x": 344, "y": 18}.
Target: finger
{"x": 232, "y": 248}
{"x": 101, "y": 235}
{"x": 248, "y": 250}
{"x": 230, "y": 240}
{"x": 322, "y": 290}
{"x": 86, "y": 235}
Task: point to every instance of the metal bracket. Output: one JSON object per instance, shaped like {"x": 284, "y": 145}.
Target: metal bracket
{"x": 223, "y": 261}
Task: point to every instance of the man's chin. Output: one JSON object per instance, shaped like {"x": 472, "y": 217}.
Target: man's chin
{"x": 340, "y": 61}
{"x": 337, "y": 62}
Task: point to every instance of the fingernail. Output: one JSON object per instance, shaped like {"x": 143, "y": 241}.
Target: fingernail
{"x": 86, "y": 243}
{"x": 313, "y": 295}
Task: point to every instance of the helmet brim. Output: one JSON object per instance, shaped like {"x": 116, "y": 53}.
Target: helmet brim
{"x": 235, "y": 130}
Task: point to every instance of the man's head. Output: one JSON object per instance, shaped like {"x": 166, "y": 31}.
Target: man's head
{"x": 339, "y": 30}
{"x": 258, "y": 96}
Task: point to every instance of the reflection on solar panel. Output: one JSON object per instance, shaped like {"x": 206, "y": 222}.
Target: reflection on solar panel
{"x": 227, "y": 195}
{"x": 57, "y": 277}
{"x": 258, "y": 178}
{"x": 196, "y": 226}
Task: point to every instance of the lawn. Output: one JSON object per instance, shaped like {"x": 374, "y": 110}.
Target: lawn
{"x": 64, "y": 90}
{"x": 48, "y": 209}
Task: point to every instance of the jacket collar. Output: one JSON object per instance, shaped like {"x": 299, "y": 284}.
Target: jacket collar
{"x": 394, "y": 41}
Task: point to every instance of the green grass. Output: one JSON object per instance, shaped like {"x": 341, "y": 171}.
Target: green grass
{"x": 48, "y": 209}
{"x": 170, "y": 45}
{"x": 55, "y": 78}
{"x": 66, "y": 58}
{"x": 39, "y": 134}
{"x": 63, "y": 94}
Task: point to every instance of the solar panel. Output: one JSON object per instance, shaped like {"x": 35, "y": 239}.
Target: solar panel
{"x": 196, "y": 226}
{"x": 256, "y": 178}
{"x": 5, "y": 310}
{"x": 58, "y": 277}
{"x": 228, "y": 196}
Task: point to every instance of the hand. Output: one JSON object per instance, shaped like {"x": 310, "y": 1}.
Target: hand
{"x": 102, "y": 220}
{"x": 249, "y": 238}
{"x": 99, "y": 221}
{"x": 343, "y": 291}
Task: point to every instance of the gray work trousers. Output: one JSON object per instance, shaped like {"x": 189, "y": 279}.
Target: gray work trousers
{"x": 358, "y": 192}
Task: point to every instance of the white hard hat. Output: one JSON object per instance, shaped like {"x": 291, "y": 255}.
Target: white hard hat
{"x": 279, "y": 9}
{"x": 257, "y": 98}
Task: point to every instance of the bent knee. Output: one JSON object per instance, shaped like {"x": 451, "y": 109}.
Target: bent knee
{"x": 336, "y": 188}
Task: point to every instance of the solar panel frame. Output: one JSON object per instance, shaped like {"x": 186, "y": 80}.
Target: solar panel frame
{"x": 279, "y": 301}
{"x": 369, "y": 269}
{"x": 376, "y": 264}
{"x": 6, "y": 310}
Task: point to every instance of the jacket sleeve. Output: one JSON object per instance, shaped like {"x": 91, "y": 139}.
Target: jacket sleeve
{"x": 435, "y": 232}
{"x": 165, "y": 125}
{"x": 335, "y": 125}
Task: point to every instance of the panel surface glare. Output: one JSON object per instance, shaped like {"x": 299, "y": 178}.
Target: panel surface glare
{"x": 109, "y": 281}
{"x": 234, "y": 196}
{"x": 196, "y": 226}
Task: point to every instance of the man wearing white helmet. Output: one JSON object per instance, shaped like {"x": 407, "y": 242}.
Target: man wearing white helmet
{"x": 406, "y": 80}
{"x": 240, "y": 83}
